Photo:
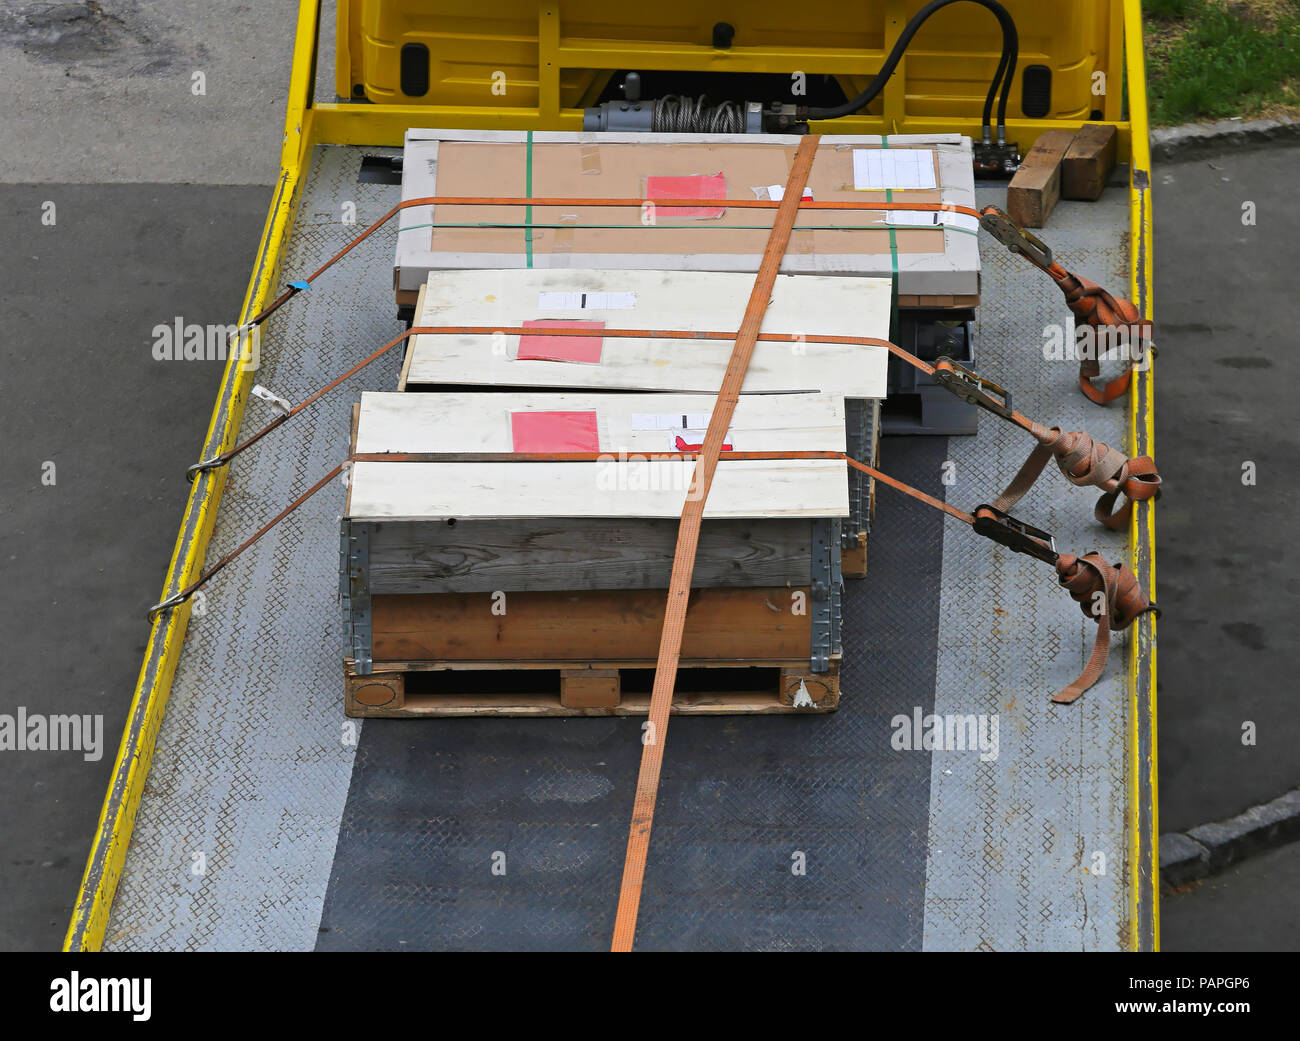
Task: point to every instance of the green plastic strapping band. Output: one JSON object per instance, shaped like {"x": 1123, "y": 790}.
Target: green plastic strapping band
{"x": 669, "y": 227}
{"x": 528, "y": 194}
{"x": 893, "y": 261}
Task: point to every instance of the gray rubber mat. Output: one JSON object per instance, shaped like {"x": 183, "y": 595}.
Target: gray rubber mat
{"x": 742, "y": 801}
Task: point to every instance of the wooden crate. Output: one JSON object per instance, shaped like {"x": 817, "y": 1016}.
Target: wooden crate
{"x": 540, "y": 552}
{"x": 806, "y": 306}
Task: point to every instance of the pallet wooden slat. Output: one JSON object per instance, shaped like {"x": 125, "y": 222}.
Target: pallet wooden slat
{"x": 789, "y": 687}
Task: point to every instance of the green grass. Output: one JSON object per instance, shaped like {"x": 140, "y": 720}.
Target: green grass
{"x": 1168, "y": 8}
{"x": 1211, "y": 61}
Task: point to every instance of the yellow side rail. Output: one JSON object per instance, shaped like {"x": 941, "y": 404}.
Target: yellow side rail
{"x": 135, "y": 753}
{"x": 308, "y": 123}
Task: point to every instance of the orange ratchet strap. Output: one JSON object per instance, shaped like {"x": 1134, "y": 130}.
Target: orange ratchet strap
{"x": 1082, "y": 460}
{"x": 1084, "y": 577}
{"x": 1090, "y": 304}
{"x": 300, "y": 285}
{"x": 688, "y": 535}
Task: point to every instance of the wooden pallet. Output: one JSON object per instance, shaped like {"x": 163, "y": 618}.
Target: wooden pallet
{"x": 570, "y": 688}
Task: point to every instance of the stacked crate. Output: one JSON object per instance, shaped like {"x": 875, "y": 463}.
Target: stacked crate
{"x": 480, "y": 585}
{"x": 931, "y": 257}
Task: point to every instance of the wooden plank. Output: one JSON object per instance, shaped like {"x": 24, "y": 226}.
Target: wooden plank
{"x": 1088, "y": 161}
{"x": 694, "y": 301}
{"x": 479, "y": 421}
{"x": 684, "y": 366}
{"x": 617, "y": 488}
{"x": 1036, "y": 188}
{"x": 805, "y": 305}
{"x": 552, "y": 664}
{"x": 601, "y": 553}
{"x": 406, "y": 349}
{"x": 750, "y": 624}
{"x": 452, "y": 706}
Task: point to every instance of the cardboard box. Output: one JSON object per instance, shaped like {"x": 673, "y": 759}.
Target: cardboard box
{"x": 937, "y": 265}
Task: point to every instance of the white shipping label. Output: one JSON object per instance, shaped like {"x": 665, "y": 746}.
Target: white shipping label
{"x": 902, "y": 168}
{"x": 670, "y": 420}
{"x": 932, "y": 218}
{"x": 586, "y": 301}
{"x": 776, "y": 192}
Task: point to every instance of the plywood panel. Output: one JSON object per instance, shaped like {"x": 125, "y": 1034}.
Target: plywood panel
{"x": 480, "y": 421}
{"x": 803, "y": 305}
{"x": 616, "y": 488}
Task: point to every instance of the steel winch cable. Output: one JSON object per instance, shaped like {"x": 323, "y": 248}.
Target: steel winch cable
{"x": 679, "y": 114}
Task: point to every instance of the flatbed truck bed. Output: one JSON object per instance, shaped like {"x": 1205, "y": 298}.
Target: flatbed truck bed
{"x": 252, "y": 814}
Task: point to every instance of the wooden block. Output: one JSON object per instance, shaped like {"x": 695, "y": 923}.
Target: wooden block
{"x": 1088, "y": 162}
{"x": 1036, "y": 188}
{"x": 366, "y": 695}
{"x": 853, "y": 561}
{"x": 802, "y": 688}
{"x": 589, "y": 688}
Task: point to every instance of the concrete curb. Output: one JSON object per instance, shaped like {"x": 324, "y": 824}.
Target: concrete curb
{"x": 1208, "y": 849}
{"x": 1173, "y": 144}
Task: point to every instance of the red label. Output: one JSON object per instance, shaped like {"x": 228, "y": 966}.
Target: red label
{"x": 554, "y": 431}
{"x": 682, "y": 445}
{"x": 700, "y": 186}
{"x": 560, "y": 348}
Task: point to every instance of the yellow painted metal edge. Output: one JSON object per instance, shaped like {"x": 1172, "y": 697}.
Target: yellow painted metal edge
{"x": 1141, "y": 663}
{"x": 342, "y": 123}
{"x": 117, "y": 818}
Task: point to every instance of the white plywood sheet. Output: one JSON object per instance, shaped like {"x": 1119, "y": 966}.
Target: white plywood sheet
{"x": 637, "y": 423}
{"x": 617, "y": 488}
{"x": 802, "y": 305}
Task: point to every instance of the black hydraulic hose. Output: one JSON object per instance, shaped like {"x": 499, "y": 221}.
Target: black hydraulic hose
{"x": 1002, "y": 78}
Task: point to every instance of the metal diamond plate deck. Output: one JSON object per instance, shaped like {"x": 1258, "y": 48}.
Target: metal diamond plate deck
{"x": 251, "y": 769}
{"x": 904, "y": 849}
{"x": 1015, "y": 842}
